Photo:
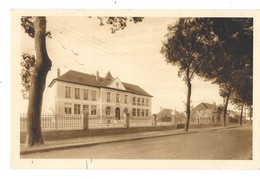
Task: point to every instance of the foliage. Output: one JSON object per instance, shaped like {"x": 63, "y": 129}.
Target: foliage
{"x": 215, "y": 49}
{"x": 184, "y": 47}
{"x": 27, "y": 24}
{"x": 118, "y": 23}
{"x": 232, "y": 60}
{"x": 27, "y": 63}
{"x": 181, "y": 37}
{"x": 229, "y": 60}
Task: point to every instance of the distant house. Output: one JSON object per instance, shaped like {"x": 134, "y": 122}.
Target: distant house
{"x": 165, "y": 115}
{"x": 102, "y": 97}
{"x": 205, "y": 113}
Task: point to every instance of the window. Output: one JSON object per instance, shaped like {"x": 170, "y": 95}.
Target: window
{"x": 125, "y": 110}
{"x": 76, "y": 108}
{"x": 85, "y": 92}
{"x": 93, "y": 110}
{"x": 117, "y": 98}
{"x": 142, "y": 112}
{"x": 138, "y": 112}
{"x": 125, "y": 99}
{"x": 67, "y": 92}
{"x": 86, "y": 108}
{"x": 108, "y": 97}
{"x": 134, "y": 101}
{"x": 138, "y": 101}
{"x": 142, "y": 101}
{"x": 108, "y": 111}
{"x": 68, "y": 108}
{"x": 147, "y": 112}
{"x": 134, "y": 112}
{"x": 77, "y": 93}
{"x": 147, "y": 102}
{"x": 93, "y": 95}
{"x": 117, "y": 84}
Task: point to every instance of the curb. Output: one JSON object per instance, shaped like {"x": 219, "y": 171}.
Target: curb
{"x": 72, "y": 146}
{"x": 79, "y": 145}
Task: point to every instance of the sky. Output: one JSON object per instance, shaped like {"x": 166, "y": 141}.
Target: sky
{"x": 133, "y": 55}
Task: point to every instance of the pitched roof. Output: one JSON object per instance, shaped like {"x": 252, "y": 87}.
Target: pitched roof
{"x": 203, "y": 106}
{"x": 164, "y": 113}
{"x": 135, "y": 89}
{"x": 90, "y": 80}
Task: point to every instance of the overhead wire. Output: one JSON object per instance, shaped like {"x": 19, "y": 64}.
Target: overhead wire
{"x": 106, "y": 48}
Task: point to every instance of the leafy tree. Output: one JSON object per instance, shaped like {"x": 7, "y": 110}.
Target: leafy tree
{"x": 35, "y": 69}
{"x": 242, "y": 95}
{"x": 230, "y": 61}
{"x": 183, "y": 47}
{"x": 36, "y": 28}
{"x": 216, "y": 49}
{"x": 236, "y": 99}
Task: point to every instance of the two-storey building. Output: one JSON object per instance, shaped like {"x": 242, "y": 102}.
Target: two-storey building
{"x": 102, "y": 97}
{"x": 205, "y": 113}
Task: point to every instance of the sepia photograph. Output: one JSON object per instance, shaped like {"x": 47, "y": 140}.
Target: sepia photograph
{"x": 133, "y": 86}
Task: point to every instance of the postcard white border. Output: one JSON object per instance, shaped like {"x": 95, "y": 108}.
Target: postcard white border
{"x": 16, "y": 162}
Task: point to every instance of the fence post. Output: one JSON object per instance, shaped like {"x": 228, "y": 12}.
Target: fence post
{"x": 85, "y": 120}
{"x": 56, "y": 121}
{"x": 127, "y": 120}
{"x": 154, "y": 119}
{"x": 175, "y": 122}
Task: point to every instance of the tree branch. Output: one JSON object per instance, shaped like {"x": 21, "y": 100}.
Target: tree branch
{"x": 192, "y": 73}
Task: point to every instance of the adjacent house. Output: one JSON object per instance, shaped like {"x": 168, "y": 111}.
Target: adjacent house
{"x": 102, "y": 97}
{"x": 170, "y": 115}
{"x": 205, "y": 113}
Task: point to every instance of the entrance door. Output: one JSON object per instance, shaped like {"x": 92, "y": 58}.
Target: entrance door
{"x": 118, "y": 113}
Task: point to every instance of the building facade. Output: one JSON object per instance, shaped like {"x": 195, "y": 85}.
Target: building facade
{"x": 102, "y": 97}
{"x": 205, "y": 113}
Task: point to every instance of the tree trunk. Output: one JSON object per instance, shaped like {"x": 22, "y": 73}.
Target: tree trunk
{"x": 188, "y": 105}
{"x": 241, "y": 115}
{"x": 42, "y": 66}
{"x": 225, "y": 110}
{"x": 250, "y": 114}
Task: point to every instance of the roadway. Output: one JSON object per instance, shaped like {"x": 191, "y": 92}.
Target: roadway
{"x": 224, "y": 144}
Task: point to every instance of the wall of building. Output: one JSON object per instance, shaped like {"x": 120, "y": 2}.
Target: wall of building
{"x": 62, "y": 101}
{"x": 204, "y": 116}
{"x": 113, "y": 104}
{"x": 101, "y": 101}
{"x": 141, "y": 106}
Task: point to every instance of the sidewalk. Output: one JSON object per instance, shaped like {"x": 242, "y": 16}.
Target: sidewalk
{"x": 90, "y": 141}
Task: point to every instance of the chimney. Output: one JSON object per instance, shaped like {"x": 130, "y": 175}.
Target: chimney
{"x": 58, "y": 73}
{"x": 97, "y": 76}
